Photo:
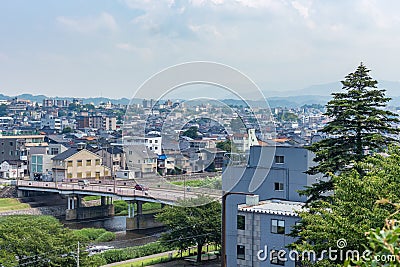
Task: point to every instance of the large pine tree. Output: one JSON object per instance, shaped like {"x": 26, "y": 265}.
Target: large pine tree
{"x": 359, "y": 125}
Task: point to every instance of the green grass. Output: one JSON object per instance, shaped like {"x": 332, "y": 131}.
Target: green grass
{"x": 88, "y": 198}
{"x": 214, "y": 183}
{"x": 7, "y": 204}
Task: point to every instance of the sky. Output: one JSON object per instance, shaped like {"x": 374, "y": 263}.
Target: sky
{"x": 90, "y": 48}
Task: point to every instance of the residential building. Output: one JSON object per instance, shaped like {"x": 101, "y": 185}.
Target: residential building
{"x": 274, "y": 173}
{"x": 12, "y": 169}
{"x": 50, "y": 121}
{"x": 152, "y": 142}
{"x": 78, "y": 163}
{"x": 16, "y": 147}
{"x": 142, "y": 158}
{"x": 262, "y": 228}
{"x": 96, "y": 122}
{"x": 112, "y": 157}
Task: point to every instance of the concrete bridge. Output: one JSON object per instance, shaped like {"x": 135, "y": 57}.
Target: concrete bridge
{"x": 164, "y": 193}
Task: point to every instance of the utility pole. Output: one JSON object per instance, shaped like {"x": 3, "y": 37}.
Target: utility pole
{"x": 77, "y": 256}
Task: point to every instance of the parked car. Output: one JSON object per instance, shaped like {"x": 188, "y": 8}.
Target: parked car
{"x": 141, "y": 187}
{"x": 83, "y": 183}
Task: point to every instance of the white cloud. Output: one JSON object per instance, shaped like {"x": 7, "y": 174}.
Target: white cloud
{"x": 303, "y": 10}
{"x": 104, "y": 21}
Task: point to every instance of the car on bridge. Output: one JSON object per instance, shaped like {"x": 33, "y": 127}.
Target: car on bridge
{"x": 141, "y": 187}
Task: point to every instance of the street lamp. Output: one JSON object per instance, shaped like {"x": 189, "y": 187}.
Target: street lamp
{"x": 223, "y": 230}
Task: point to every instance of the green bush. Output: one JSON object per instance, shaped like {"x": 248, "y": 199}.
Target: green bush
{"x": 105, "y": 237}
{"x": 119, "y": 206}
{"x": 89, "y": 234}
{"x": 116, "y": 255}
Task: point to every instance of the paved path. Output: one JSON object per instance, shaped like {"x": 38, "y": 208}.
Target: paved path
{"x": 140, "y": 259}
{"x": 175, "y": 263}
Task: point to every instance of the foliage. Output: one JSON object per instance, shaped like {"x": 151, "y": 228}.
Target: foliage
{"x": 36, "y": 241}
{"x": 191, "y": 132}
{"x": 192, "y": 222}
{"x": 383, "y": 244}
{"x": 359, "y": 125}
{"x": 117, "y": 255}
{"x": 353, "y": 209}
{"x": 228, "y": 146}
{"x": 106, "y": 237}
{"x": 67, "y": 130}
{"x": 120, "y": 206}
{"x": 288, "y": 116}
{"x": 94, "y": 235}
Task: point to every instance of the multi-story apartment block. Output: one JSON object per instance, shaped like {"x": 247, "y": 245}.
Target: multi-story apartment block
{"x": 275, "y": 174}
{"x": 97, "y": 122}
{"x": 51, "y": 122}
{"x": 152, "y": 142}
{"x": 16, "y": 147}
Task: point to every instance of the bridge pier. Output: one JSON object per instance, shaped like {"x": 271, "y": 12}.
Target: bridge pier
{"x": 140, "y": 221}
{"x": 75, "y": 210}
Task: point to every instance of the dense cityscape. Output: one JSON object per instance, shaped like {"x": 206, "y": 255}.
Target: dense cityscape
{"x": 199, "y": 133}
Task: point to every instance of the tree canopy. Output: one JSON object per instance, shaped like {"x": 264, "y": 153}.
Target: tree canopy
{"x": 359, "y": 125}
{"x": 193, "y": 222}
{"x": 354, "y": 209}
{"x": 39, "y": 241}
{"x": 191, "y": 132}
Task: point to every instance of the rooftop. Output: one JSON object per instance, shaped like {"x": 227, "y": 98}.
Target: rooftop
{"x": 274, "y": 206}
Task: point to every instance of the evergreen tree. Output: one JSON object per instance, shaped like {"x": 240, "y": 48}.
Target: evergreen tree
{"x": 354, "y": 209}
{"x": 359, "y": 126}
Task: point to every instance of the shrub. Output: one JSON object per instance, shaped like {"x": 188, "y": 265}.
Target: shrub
{"x": 105, "y": 237}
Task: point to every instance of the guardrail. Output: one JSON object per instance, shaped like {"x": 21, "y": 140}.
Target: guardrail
{"x": 160, "y": 193}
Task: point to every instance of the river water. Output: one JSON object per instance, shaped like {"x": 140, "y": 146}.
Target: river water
{"x": 116, "y": 224}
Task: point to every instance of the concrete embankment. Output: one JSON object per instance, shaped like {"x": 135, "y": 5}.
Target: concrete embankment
{"x": 55, "y": 211}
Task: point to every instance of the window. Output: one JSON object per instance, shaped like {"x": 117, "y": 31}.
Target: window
{"x": 79, "y": 175}
{"x": 69, "y": 163}
{"x": 88, "y": 174}
{"x": 156, "y": 141}
{"x": 150, "y": 141}
{"x": 88, "y": 162}
{"x": 241, "y": 222}
{"x": 11, "y": 143}
{"x": 240, "y": 251}
{"x": 53, "y": 151}
{"x": 97, "y": 175}
{"x": 279, "y": 159}
{"x": 97, "y": 162}
{"x": 106, "y": 173}
{"x": 69, "y": 175}
{"x": 278, "y": 226}
{"x": 277, "y": 256}
{"x": 79, "y": 163}
{"x": 278, "y": 186}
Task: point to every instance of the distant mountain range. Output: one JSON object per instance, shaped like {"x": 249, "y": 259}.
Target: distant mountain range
{"x": 314, "y": 94}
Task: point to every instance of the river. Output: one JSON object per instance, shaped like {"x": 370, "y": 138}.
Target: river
{"x": 116, "y": 224}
